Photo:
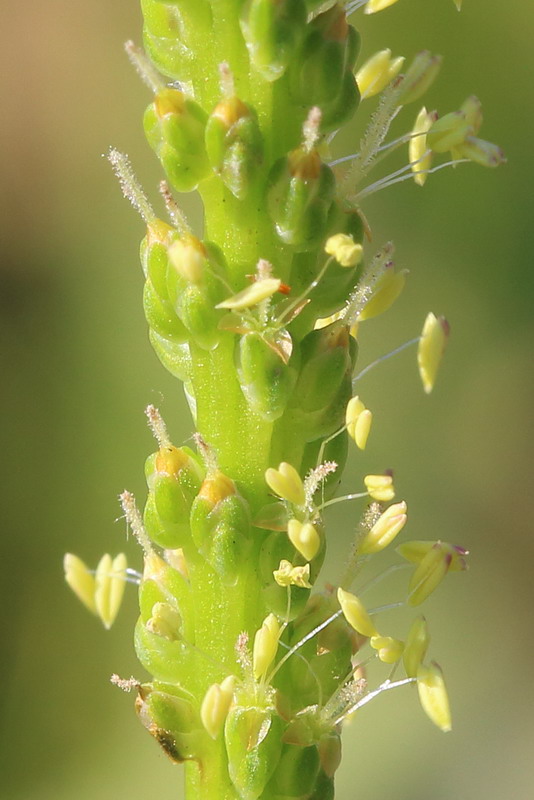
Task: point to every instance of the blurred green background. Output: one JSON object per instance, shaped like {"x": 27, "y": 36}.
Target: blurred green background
{"x": 77, "y": 372}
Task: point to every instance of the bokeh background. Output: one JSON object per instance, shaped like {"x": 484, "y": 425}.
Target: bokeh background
{"x": 77, "y": 372}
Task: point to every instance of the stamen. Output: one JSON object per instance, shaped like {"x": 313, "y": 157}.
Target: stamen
{"x": 177, "y": 216}
{"x": 130, "y": 186}
{"x": 144, "y": 67}
{"x": 157, "y": 426}
{"x": 311, "y": 127}
{"x": 385, "y": 182}
{"x": 135, "y": 521}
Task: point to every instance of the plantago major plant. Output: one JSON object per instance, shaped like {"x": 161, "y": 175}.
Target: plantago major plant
{"x": 255, "y": 664}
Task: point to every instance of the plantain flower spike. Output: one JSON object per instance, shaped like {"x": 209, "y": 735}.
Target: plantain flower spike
{"x": 358, "y": 420}
{"x": 216, "y": 704}
{"x": 355, "y": 613}
{"x": 431, "y": 348}
{"x": 304, "y": 538}
{"x": 385, "y": 529}
{"x": 265, "y": 646}
{"x": 377, "y": 73}
{"x": 344, "y": 249}
{"x": 433, "y": 696}
{"x": 286, "y": 483}
{"x": 380, "y": 487}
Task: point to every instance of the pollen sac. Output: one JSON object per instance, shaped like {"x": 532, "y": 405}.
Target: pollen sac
{"x": 272, "y": 30}
{"x": 216, "y": 704}
{"x": 321, "y": 72}
{"x": 171, "y": 718}
{"x": 253, "y": 737}
{"x": 220, "y": 526}
{"x": 174, "y": 476}
{"x": 300, "y": 193}
{"x": 264, "y": 375}
{"x": 195, "y": 288}
{"x": 234, "y": 144}
{"x": 174, "y": 126}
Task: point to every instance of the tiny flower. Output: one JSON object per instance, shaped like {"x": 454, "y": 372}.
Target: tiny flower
{"x": 378, "y": 5}
{"x": 358, "y": 421}
{"x": 81, "y": 580}
{"x": 286, "y": 483}
{"x": 344, "y": 249}
{"x": 188, "y": 257}
{"x": 109, "y": 587}
{"x": 385, "y": 529}
{"x": 416, "y": 647}
{"x": 265, "y": 646}
{"x": 433, "y": 696}
{"x": 419, "y": 155}
{"x": 216, "y": 704}
{"x": 380, "y": 487}
{"x": 389, "y": 649}
{"x": 377, "y": 73}
{"x": 288, "y": 575}
{"x": 387, "y": 289}
{"x": 355, "y": 613}
{"x": 252, "y": 295}
{"x": 420, "y": 76}
{"x": 431, "y": 348}
{"x": 304, "y": 538}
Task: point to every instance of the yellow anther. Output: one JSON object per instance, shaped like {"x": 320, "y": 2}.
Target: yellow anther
{"x": 380, "y": 487}
{"x": 433, "y": 696}
{"x": 304, "y": 538}
{"x": 448, "y": 132}
{"x": 377, "y": 73}
{"x": 389, "y": 650}
{"x": 373, "y": 6}
{"x": 165, "y": 621}
{"x": 216, "y": 704}
{"x": 458, "y": 4}
{"x": 472, "y": 111}
{"x": 344, "y": 249}
{"x": 481, "y": 152}
{"x": 416, "y": 646}
{"x": 286, "y": 483}
{"x": 109, "y": 587}
{"x": 355, "y": 613}
{"x": 419, "y": 154}
{"x": 429, "y": 574}
{"x": 358, "y": 420}
{"x": 188, "y": 256}
{"x": 387, "y": 289}
{"x": 419, "y": 76}
{"x": 385, "y": 529}
{"x": 288, "y": 575}
{"x": 252, "y": 295}
{"x": 81, "y": 580}
{"x": 416, "y": 550}
{"x": 431, "y": 348}
{"x": 265, "y": 646}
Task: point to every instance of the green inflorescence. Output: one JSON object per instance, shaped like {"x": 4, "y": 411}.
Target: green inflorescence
{"x": 252, "y": 671}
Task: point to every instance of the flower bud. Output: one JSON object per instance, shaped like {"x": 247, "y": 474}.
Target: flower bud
{"x": 234, "y": 144}
{"x": 286, "y": 483}
{"x": 265, "y": 646}
{"x": 328, "y": 356}
{"x": 377, "y": 73}
{"x": 431, "y": 348}
{"x": 344, "y": 249}
{"x": 330, "y": 753}
{"x": 355, "y": 613}
{"x": 175, "y": 483}
{"x": 272, "y": 30}
{"x": 171, "y": 718}
{"x": 389, "y": 649}
{"x": 265, "y": 378}
{"x": 419, "y": 76}
{"x": 304, "y": 538}
{"x": 385, "y": 529}
{"x": 380, "y": 487}
{"x": 216, "y": 704}
{"x": 253, "y": 738}
{"x": 433, "y": 696}
{"x": 300, "y": 193}
{"x": 358, "y": 421}
{"x": 296, "y": 771}
{"x": 174, "y": 126}
{"x": 416, "y": 647}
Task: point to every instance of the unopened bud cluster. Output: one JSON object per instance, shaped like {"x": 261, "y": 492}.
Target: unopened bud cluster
{"x": 254, "y": 663}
